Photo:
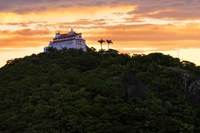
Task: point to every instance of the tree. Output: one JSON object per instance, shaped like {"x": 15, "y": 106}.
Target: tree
{"x": 109, "y": 42}
{"x": 75, "y": 91}
{"x": 101, "y": 42}
{"x": 51, "y": 49}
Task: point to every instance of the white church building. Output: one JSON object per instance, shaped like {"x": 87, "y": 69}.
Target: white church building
{"x": 69, "y": 40}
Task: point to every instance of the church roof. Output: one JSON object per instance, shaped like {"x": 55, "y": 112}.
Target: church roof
{"x": 57, "y": 41}
{"x": 68, "y": 35}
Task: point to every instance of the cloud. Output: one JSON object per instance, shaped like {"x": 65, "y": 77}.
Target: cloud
{"x": 150, "y": 32}
{"x": 24, "y": 38}
{"x": 159, "y": 9}
{"x": 85, "y": 22}
{"x": 20, "y": 41}
{"x": 161, "y": 37}
{"x": 102, "y": 19}
{"x": 164, "y": 9}
{"x": 25, "y": 32}
{"x": 24, "y": 6}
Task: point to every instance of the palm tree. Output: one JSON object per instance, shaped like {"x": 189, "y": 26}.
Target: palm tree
{"x": 101, "y": 42}
{"x": 109, "y": 42}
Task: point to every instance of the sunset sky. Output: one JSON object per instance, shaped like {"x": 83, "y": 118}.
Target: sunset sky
{"x": 135, "y": 26}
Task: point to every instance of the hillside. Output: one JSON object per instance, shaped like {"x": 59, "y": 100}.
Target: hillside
{"x": 99, "y": 92}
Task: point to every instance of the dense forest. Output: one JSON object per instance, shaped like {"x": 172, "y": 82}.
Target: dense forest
{"x": 99, "y": 92}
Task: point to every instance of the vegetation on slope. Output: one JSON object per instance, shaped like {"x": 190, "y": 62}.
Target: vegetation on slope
{"x": 104, "y": 92}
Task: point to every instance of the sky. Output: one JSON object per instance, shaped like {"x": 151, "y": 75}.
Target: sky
{"x": 135, "y": 26}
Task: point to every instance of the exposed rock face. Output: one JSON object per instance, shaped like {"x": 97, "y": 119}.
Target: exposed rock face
{"x": 191, "y": 86}
{"x": 193, "y": 91}
{"x": 185, "y": 79}
{"x": 133, "y": 86}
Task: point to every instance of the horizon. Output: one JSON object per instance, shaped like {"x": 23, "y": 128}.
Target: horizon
{"x": 169, "y": 27}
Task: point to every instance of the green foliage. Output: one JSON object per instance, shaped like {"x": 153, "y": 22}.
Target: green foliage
{"x": 85, "y": 92}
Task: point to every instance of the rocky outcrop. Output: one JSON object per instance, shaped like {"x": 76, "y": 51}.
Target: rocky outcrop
{"x": 193, "y": 91}
{"x": 133, "y": 86}
{"x": 191, "y": 86}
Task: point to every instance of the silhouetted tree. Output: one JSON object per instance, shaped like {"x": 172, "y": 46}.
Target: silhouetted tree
{"x": 51, "y": 49}
{"x": 101, "y": 42}
{"x": 109, "y": 42}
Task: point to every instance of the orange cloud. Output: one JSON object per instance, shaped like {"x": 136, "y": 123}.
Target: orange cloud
{"x": 126, "y": 30}
{"x": 25, "y": 32}
{"x": 21, "y": 41}
{"x": 136, "y": 36}
{"x": 161, "y": 37}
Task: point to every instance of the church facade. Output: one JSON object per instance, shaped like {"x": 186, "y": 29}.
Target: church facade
{"x": 66, "y": 41}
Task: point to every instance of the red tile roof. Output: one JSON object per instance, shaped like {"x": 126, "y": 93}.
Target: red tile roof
{"x": 68, "y": 35}
{"x": 55, "y": 41}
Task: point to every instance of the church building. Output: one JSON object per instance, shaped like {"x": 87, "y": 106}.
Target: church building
{"x": 67, "y": 41}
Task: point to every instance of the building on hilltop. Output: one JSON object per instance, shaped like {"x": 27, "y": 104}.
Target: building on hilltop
{"x": 67, "y": 41}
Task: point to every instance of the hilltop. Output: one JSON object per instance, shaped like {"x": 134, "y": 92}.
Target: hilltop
{"x": 104, "y": 92}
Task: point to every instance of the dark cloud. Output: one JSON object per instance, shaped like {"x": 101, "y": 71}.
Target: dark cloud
{"x": 24, "y": 6}
{"x": 165, "y": 9}
{"x": 173, "y": 9}
{"x": 30, "y": 9}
